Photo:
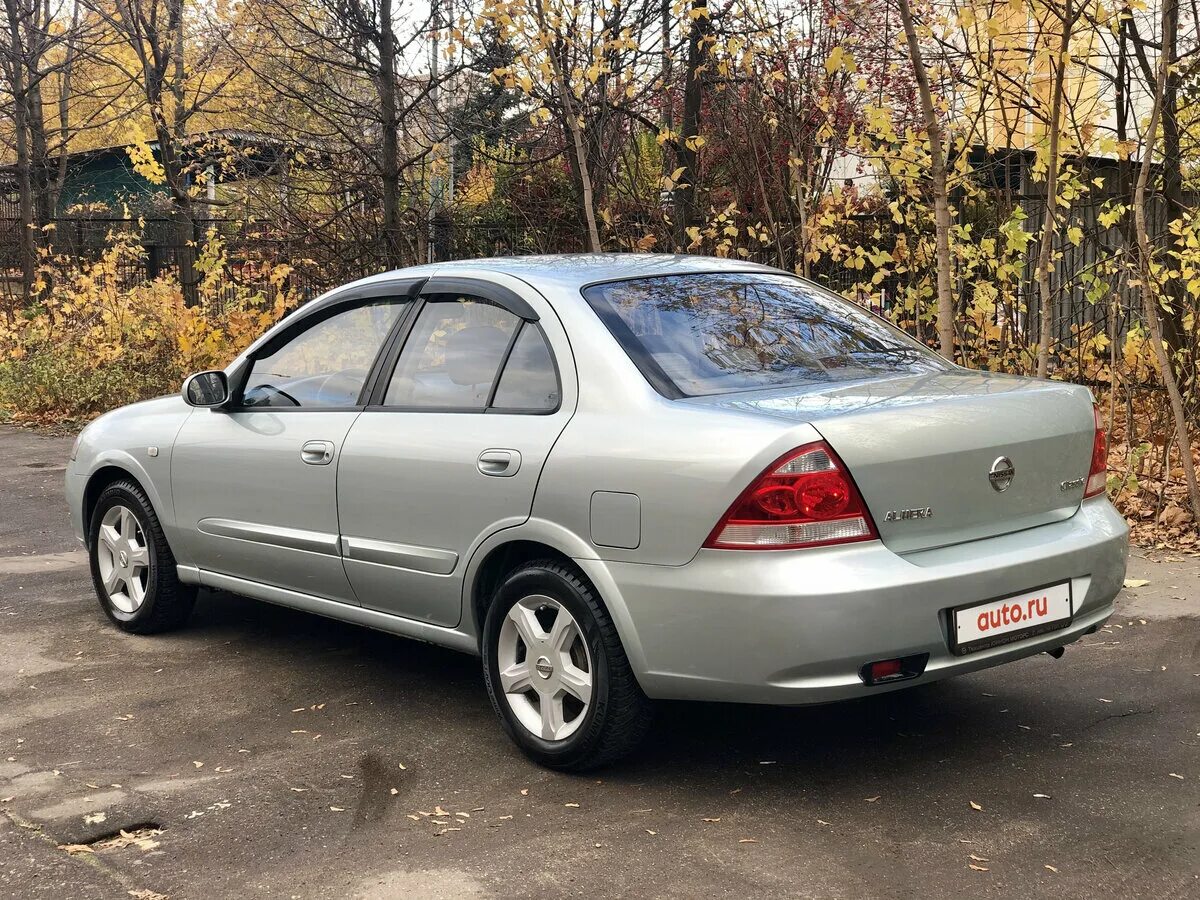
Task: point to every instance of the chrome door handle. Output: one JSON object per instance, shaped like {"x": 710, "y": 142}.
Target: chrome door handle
{"x": 503, "y": 463}
{"x": 317, "y": 453}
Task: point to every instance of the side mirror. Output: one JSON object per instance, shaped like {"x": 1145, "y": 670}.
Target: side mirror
{"x": 206, "y": 389}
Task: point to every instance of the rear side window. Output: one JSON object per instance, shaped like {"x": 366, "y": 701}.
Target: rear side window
{"x": 693, "y": 335}
{"x": 530, "y": 381}
{"x": 453, "y": 355}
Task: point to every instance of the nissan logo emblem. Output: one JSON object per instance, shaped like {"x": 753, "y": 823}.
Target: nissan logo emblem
{"x": 1001, "y": 474}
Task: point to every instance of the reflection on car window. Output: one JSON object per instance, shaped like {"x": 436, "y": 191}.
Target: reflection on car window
{"x": 326, "y": 365}
{"x": 717, "y": 333}
{"x": 452, "y": 356}
{"x": 529, "y": 381}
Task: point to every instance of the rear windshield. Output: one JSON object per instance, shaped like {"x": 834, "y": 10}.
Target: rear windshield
{"x": 693, "y": 335}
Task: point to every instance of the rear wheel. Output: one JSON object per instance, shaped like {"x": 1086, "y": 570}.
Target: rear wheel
{"x": 556, "y": 672}
{"x": 133, "y": 569}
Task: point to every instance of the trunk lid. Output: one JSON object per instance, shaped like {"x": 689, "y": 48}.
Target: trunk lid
{"x": 921, "y": 449}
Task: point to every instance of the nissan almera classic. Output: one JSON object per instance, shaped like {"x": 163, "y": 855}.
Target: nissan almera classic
{"x": 616, "y": 478}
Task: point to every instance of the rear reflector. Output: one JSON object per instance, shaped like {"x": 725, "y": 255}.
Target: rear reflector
{"x": 1098, "y": 473}
{"x": 886, "y": 670}
{"x": 803, "y": 499}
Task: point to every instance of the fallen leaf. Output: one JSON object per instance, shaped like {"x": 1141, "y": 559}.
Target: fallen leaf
{"x": 76, "y": 848}
{"x": 975, "y": 806}
{"x": 524, "y": 792}
{"x": 1102, "y": 700}
{"x": 979, "y": 858}
{"x": 748, "y": 841}
{"x": 438, "y": 811}
{"x": 717, "y": 819}
{"x": 197, "y": 764}
{"x": 336, "y": 809}
{"x": 94, "y": 818}
{"x": 1175, "y": 775}
{"x": 571, "y": 805}
{"x": 394, "y": 792}
{"x": 873, "y": 799}
{"x": 978, "y": 868}
{"x": 414, "y": 817}
{"x": 648, "y": 831}
{"x": 1050, "y": 867}
{"x": 1136, "y": 582}
{"x": 823, "y": 822}
{"x": 299, "y": 790}
{"x": 1042, "y": 796}
{"x": 445, "y": 831}
{"x": 403, "y": 766}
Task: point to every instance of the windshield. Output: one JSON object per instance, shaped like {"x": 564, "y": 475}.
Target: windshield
{"x": 693, "y": 335}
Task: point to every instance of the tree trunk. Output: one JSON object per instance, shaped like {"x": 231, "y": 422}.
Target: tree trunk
{"x": 1174, "y": 330}
{"x": 1050, "y": 218}
{"x": 1183, "y": 441}
{"x": 574, "y": 134}
{"x": 389, "y": 165}
{"x": 938, "y": 183}
{"x": 686, "y": 152}
{"x": 27, "y": 239}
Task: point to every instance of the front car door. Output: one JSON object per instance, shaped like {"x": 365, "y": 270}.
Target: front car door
{"x": 450, "y": 447}
{"x": 255, "y": 483}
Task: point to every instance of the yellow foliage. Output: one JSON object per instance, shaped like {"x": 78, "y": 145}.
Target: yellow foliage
{"x": 96, "y": 342}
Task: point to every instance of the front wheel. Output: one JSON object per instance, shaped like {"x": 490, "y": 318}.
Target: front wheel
{"x": 556, "y": 673}
{"x": 133, "y": 569}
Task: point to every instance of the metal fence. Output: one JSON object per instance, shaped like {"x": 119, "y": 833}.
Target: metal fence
{"x": 321, "y": 261}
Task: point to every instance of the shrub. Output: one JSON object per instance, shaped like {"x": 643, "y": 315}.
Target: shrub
{"x": 94, "y": 342}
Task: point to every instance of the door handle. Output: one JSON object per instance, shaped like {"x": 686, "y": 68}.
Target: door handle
{"x": 502, "y": 463}
{"x": 317, "y": 453}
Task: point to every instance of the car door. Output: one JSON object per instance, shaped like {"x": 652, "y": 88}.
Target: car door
{"x": 255, "y": 482}
{"x": 451, "y": 446}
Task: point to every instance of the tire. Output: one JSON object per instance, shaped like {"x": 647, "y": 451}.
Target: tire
{"x": 144, "y": 598}
{"x": 575, "y": 736}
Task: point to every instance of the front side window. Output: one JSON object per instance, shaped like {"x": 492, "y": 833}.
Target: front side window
{"x": 453, "y": 355}
{"x": 326, "y": 365}
{"x": 723, "y": 332}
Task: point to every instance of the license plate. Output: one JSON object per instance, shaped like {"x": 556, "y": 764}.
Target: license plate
{"x": 1011, "y": 618}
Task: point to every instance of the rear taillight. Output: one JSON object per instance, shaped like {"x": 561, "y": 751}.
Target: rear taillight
{"x": 803, "y": 499}
{"x": 1098, "y": 473}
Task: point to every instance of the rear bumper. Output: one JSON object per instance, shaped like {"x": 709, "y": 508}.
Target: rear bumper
{"x": 796, "y": 627}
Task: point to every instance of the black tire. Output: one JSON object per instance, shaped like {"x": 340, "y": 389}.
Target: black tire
{"x": 619, "y": 714}
{"x": 168, "y": 602}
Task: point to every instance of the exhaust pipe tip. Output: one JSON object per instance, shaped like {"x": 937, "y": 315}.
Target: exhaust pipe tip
{"x": 1057, "y": 652}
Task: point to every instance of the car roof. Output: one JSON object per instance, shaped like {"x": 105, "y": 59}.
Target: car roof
{"x": 572, "y": 271}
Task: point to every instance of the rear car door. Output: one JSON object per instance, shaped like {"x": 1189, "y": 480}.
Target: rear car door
{"x": 450, "y": 447}
{"x": 254, "y": 483}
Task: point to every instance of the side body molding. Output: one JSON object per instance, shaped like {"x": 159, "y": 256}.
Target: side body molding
{"x": 402, "y": 556}
{"x": 291, "y": 538}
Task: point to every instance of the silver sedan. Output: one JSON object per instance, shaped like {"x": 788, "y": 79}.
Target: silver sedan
{"x": 616, "y": 478}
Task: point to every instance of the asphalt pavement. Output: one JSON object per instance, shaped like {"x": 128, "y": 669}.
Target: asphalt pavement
{"x": 263, "y": 752}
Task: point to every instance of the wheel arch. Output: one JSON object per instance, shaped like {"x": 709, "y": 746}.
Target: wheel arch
{"x": 115, "y": 467}
{"x": 512, "y": 547}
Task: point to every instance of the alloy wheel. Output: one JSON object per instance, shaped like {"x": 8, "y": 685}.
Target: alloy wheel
{"x": 124, "y": 557}
{"x": 545, "y": 667}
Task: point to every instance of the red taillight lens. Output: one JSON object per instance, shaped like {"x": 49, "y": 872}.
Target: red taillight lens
{"x": 1098, "y": 473}
{"x": 804, "y": 499}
